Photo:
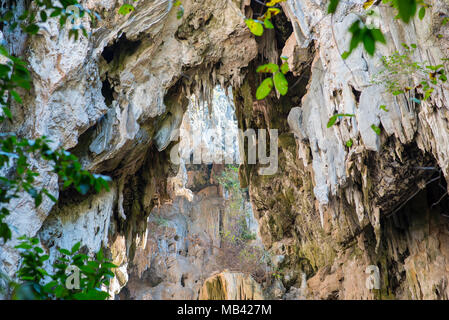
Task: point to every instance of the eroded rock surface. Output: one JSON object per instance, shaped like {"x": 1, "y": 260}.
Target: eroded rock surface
{"x": 231, "y": 286}
{"x": 340, "y": 209}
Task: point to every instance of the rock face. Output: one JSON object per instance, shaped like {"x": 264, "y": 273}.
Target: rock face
{"x": 341, "y": 208}
{"x": 184, "y": 246}
{"x": 346, "y": 204}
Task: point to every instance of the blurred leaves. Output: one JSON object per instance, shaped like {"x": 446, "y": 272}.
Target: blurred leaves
{"x": 66, "y": 11}
{"x": 37, "y": 284}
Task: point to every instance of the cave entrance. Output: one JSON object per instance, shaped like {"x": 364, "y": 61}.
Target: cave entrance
{"x": 418, "y": 230}
{"x": 207, "y": 226}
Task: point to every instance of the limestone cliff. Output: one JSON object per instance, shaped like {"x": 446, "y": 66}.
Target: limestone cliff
{"x": 382, "y": 200}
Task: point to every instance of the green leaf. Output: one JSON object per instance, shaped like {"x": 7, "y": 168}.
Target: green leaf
{"x": 378, "y": 35}
{"x": 93, "y": 264}
{"x": 369, "y": 42}
{"x": 264, "y": 88}
{"x": 376, "y": 129}
{"x": 49, "y": 286}
{"x": 64, "y": 251}
{"x": 334, "y": 118}
{"x": 16, "y": 96}
{"x": 38, "y": 250}
{"x": 7, "y": 16}
{"x": 356, "y": 38}
{"x": 23, "y": 245}
{"x": 428, "y": 93}
{"x": 422, "y": 13}
{"x": 284, "y": 68}
{"x": 80, "y": 256}
{"x": 24, "y": 15}
{"x": 44, "y": 257}
{"x": 332, "y": 121}
{"x": 38, "y": 200}
{"x": 100, "y": 254}
{"x": 125, "y": 9}
{"x": 333, "y": 6}
{"x": 254, "y": 26}
{"x": 180, "y": 12}
{"x": 384, "y": 108}
{"x": 268, "y": 68}
{"x": 3, "y": 51}
{"x": 31, "y": 29}
{"x": 76, "y": 247}
{"x": 92, "y": 294}
{"x": 345, "y": 55}
{"x": 48, "y": 194}
{"x": 407, "y": 9}
{"x": 59, "y": 290}
{"x": 43, "y": 15}
{"x": 7, "y": 112}
{"x": 268, "y": 24}
{"x": 56, "y": 12}
{"x": 42, "y": 271}
{"x": 280, "y": 83}
{"x": 109, "y": 265}
{"x": 349, "y": 143}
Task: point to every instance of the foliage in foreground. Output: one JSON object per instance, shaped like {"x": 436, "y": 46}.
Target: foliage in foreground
{"x": 75, "y": 277}
{"x": 19, "y": 176}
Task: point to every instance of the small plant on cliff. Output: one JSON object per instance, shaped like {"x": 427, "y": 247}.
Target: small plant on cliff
{"x": 256, "y": 26}
{"x": 277, "y": 79}
{"x": 41, "y": 10}
{"x": 127, "y": 8}
{"x": 401, "y": 74}
{"x": 368, "y": 36}
{"x": 85, "y": 282}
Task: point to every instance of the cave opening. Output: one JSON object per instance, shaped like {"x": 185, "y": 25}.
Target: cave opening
{"x": 418, "y": 229}
{"x": 208, "y": 217}
{"x": 107, "y": 91}
{"x": 119, "y": 48}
